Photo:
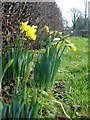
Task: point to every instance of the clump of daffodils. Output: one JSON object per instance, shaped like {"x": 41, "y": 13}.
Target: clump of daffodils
{"x": 56, "y": 41}
{"x": 48, "y": 30}
{"x": 29, "y": 30}
{"x": 69, "y": 44}
{"x": 51, "y": 31}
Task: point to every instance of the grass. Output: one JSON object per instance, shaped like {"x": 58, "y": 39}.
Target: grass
{"x": 73, "y": 76}
{"x": 70, "y": 91}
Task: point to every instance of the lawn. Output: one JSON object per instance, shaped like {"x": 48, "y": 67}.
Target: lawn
{"x": 73, "y": 79}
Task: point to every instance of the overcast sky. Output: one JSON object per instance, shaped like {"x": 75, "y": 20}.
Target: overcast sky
{"x": 66, "y": 5}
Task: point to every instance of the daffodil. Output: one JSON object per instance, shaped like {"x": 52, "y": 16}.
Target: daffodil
{"x": 60, "y": 33}
{"x": 33, "y": 36}
{"x": 31, "y": 33}
{"x": 24, "y": 26}
{"x": 29, "y": 30}
{"x": 51, "y": 32}
{"x": 71, "y": 47}
{"x": 46, "y": 28}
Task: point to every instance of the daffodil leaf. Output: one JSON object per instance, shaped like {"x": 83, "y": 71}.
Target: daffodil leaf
{"x": 7, "y": 66}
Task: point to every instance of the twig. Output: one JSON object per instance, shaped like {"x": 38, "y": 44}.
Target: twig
{"x": 62, "y": 109}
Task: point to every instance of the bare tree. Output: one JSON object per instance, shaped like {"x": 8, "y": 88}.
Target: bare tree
{"x": 85, "y": 12}
{"x": 75, "y": 14}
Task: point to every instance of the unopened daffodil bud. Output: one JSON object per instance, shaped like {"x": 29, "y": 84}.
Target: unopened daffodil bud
{"x": 46, "y": 28}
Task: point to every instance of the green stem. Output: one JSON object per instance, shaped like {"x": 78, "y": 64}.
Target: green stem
{"x": 62, "y": 52}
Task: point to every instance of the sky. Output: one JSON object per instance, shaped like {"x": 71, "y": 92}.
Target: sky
{"x": 66, "y": 5}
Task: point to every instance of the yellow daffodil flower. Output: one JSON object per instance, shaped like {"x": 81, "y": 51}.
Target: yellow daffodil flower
{"x": 30, "y": 30}
{"x": 60, "y": 33}
{"x": 46, "y": 28}
{"x": 31, "y": 34}
{"x": 51, "y": 32}
{"x": 71, "y": 47}
{"x": 24, "y": 26}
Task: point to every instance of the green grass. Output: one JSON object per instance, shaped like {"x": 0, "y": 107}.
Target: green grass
{"x": 73, "y": 76}
{"x": 71, "y": 85}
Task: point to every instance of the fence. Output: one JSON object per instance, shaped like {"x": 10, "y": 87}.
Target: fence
{"x": 82, "y": 33}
